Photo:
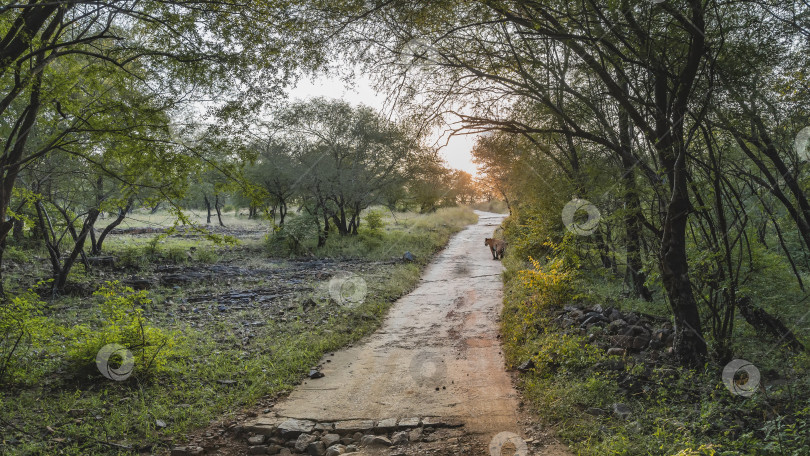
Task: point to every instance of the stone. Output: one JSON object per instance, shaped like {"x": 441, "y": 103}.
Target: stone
{"x": 324, "y": 427}
{"x": 330, "y": 439}
{"x": 621, "y": 410}
{"x": 347, "y": 440}
{"x": 303, "y": 442}
{"x": 357, "y": 436}
{"x": 636, "y": 330}
{"x": 257, "y": 449}
{"x": 352, "y": 426}
{"x": 639, "y": 342}
{"x": 442, "y": 422}
{"x": 415, "y": 435}
{"x": 335, "y": 450}
{"x": 408, "y": 423}
{"x": 292, "y": 428}
{"x": 180, "y": 451}
{"x": 592, "y": 316}
{"x": 352, "y": 449}
{"x": 597, "y": 319}
{"x": 315, "y": 374}
{"x": 386, "y": 425}
{"x": 316, "y": 449}
{"x": 616, "y": 326}
{"x": 615, "y": 351}
{"x": 407, "y": 256}
{"x": 399, "y": 438}
{"x": 375, "y": 441}
{"x": 274, "y": 449}
{"x": 526, "y": 366}
{"x": 285, "y": 452}
{"x": 256, "y": 440}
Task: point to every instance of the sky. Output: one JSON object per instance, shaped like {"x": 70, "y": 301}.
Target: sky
{"x": 457, "y": 152}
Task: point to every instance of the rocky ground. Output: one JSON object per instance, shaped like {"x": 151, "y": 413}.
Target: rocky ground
{"x": 629, "y": 339}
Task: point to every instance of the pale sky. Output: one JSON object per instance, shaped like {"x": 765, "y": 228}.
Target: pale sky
{"x": 456, "y": 153}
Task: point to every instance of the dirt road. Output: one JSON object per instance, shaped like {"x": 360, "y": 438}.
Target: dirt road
{"x": 437, "y": 356}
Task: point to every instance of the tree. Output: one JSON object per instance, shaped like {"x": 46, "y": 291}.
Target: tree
{"x": 345, "y": 158}
{"x": 630, "y": 89}
{"x": 180, "y": 53}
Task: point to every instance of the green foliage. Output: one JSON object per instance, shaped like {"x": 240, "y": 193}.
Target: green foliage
{"x": 564, "y": 351}
{"x": 16, "y": 254}
{"x": 175, "y": 254}
{"x": 122, "y": 322}
{"x": 135, "y": 257}
{"x": 206, "y": 255}
{"x": 297, "y": 231}
{"x": 374, "y": 222}
{"x": 22, "y": 328}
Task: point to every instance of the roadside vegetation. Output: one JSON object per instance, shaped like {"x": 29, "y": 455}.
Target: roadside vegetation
{"x": 604, "y": 400}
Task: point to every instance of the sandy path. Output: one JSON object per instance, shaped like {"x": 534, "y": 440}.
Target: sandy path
{"x": 443, "y": 335}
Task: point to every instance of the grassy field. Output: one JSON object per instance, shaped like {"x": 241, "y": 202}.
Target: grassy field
{"x": 247, "y": 322}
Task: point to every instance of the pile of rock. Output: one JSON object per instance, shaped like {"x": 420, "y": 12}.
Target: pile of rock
{"x": 618, "y": 332}
{"x": 272, "y": 435}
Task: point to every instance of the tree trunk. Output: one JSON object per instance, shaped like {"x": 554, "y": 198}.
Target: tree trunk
{"x": 219, "y": 212}
{"x": 78, "y": 248}
{"x": 208, "y": 207}
{"x": 632, "y": 216}
{"x": 10, "y": 159}
{"x": 122, "y": 214}
{"x": 282, "y": 213}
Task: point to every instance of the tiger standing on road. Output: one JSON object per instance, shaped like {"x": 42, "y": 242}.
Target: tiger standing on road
{"x": 496, "y": 246}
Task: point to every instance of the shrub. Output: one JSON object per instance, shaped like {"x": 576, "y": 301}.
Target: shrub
{"x": 16, "y": 254}
{"x": 22, "y": 328}
{"x": 294, "y": 233}
{"x": 176, "y": 254}
{"x": 133, "y": 257}
{"x": 207, "y": 255}
{"x": 122, "y": 322}
{"x": 374, "y": 223}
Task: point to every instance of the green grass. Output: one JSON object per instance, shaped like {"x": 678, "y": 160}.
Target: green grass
{"x": 215, "y": 371}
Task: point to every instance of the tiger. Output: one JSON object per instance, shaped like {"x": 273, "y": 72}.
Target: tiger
{"x": 497, "y": 247}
